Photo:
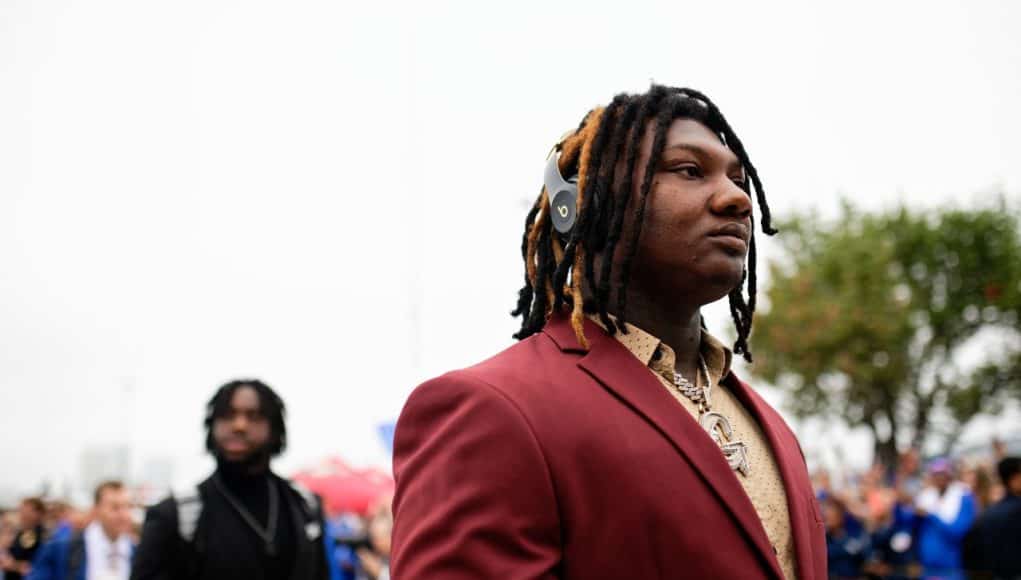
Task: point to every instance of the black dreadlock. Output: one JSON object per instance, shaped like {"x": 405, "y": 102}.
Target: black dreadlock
{"x": 270, "y": 405}
{"x": 592, "y": 153}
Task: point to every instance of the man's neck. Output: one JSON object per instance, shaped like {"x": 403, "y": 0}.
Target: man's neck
{"x": 98, "y": 528}
{"x": 676, "y": 324}
{"x": 111, "y": 535}
{"x": 242, "y": 473}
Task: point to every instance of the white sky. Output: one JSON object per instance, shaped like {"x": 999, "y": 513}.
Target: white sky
{"x": 330, "y": 195}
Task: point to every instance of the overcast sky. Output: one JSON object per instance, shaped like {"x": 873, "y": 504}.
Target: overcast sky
{"x": 329, "y": 195}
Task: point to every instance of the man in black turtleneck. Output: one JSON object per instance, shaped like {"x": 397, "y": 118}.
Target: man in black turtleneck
{"x": 244, "y": 521}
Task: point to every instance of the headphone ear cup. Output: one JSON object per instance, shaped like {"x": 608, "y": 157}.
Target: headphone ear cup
{"x": 563, "y": 196}
{"x": 564, "y": 209}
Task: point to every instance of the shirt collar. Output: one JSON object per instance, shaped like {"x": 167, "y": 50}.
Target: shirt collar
{"x": 95, "y": 536}
{"x": 658, "y": 356}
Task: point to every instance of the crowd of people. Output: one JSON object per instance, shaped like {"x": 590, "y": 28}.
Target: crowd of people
{"x": 36, "y": 536}
{"x": 42, "y": 540}
{"x": 942, "y": 519}
{"x": 937, "y": 519}
{"x": 243, "y": 521}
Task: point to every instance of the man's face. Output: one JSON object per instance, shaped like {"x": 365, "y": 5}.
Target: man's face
{"x": 113, "y": 512}
{"x": 242, "y": 432}
{"x": 909, "y": 461}
{"x": 78, "y": 519}
{"x": 833, "y": 516}
{"x": 822, "y": 479}
{"x": 697, "y": 222}
{"x": 28, "y": 515}
{"x": 1014, "y": 484}
{"x": 941, "y": 480}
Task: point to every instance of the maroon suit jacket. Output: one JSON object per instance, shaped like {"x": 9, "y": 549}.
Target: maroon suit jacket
{"x": 553, "y": 461}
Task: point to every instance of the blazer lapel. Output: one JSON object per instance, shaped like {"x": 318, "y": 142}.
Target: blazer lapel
{"x": 791, "y": 467}
{"x": 610, "y": 363}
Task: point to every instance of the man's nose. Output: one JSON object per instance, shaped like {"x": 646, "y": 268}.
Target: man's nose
{"x": 732, "y": 201}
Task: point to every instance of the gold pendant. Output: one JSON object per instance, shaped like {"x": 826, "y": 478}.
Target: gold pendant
{"x": 735, "y": 452}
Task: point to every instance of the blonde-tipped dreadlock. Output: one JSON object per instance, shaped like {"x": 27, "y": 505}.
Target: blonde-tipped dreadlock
{"x": 574, "y": 149}
{"x": 542, "y": 205}
{"x": 602, "y": 153}
{"x": 587, "y": 135}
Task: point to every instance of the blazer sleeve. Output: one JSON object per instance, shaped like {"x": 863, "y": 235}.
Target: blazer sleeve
{"x": 474, "y": 495}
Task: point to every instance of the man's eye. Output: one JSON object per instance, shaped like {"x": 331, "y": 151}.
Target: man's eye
{"x": 689, "y": 171}
{"x": 740, "y": 181}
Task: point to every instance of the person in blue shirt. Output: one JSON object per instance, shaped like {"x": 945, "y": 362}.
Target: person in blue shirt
{"x": 893, "y": 549}
{"x": 942, "y": 514}
{"x": 69, "y": 520}
{"x": 847, "y": 546}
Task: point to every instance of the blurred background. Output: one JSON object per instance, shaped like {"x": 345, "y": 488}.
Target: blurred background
{"x": 329, "y": 196}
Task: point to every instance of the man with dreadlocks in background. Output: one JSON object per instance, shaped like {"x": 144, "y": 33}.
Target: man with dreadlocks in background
{"x": 613, "y": 441}
{"x": 244, "y": 521}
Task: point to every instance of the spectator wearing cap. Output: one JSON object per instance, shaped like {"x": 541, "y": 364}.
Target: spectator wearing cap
{"x": 943, "y": 512}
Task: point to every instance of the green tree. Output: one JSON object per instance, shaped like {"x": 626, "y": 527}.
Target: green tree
{"x": 868, "y": 315}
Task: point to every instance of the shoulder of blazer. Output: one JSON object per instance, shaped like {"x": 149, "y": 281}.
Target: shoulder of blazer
{"x": 526, "y": 368}
{"x": 768, "y": 410}
{"x": 541, "y": 347}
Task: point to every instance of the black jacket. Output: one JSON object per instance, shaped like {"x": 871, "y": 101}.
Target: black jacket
{"x": 23, "y": 549}
{"x": 992, "y": 548}
{"x": 223, "y": 547}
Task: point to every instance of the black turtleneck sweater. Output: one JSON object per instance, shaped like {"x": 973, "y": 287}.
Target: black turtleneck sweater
{"x": 252, "y": 492}
{"x": 223, "y": 545}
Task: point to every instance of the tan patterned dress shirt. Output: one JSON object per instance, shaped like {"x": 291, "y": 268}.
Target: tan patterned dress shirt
{"x": 763, "y": 484}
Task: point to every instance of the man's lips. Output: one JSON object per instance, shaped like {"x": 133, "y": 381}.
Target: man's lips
{"x": 236, "y": 445}
{"x": 733, "y": 235}
{"x": 733, "y": 229}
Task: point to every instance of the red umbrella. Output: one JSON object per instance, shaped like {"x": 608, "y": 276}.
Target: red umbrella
{"x": 344, "y": 488}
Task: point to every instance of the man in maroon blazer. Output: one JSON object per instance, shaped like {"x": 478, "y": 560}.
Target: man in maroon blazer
{"x": 613, "y": 441}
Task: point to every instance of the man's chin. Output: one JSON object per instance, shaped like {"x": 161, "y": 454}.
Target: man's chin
{"x": 240, "y": 458}
{"x": 724, "y": 274}
{"x": 236, "y": 456}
